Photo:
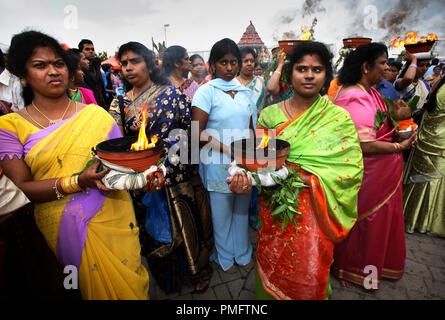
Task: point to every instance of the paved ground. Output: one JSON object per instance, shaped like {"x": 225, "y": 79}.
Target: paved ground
{"x": 424, "y": 278}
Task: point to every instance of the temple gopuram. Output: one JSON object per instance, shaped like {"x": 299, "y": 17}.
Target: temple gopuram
{"x": 250, "y": 38}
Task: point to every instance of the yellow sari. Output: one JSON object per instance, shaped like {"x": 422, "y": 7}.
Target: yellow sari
{"x": 100, "y": 226}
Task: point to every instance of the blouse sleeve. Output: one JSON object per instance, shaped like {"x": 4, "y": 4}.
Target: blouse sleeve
{"x": 115, "y": 111}
{"x": 362, "y": 114}
{"x": 10, "y": 144}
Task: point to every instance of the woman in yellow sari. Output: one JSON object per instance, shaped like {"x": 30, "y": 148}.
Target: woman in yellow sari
{"x": 85, "y": 224}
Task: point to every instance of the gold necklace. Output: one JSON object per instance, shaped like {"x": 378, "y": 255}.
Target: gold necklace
{"x": 52, "y": 122}
{"x": 29, "y": 115}
{"x": 361, "y": 86}
{"x": 286, "y": 104}
{"x": 242, "y": 81}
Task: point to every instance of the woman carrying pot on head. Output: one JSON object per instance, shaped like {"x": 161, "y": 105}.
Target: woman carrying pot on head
{"x": 378, "y": 238}
{"x": 410, "y": 82}
{"x": 274, "y": 85}
{"x": 45, "y": 149}
{"x": 294, "y": 263}
{"x": 179, "y": 253}
{"x": 176, "y": 65}
{"x": 226, "y": 111}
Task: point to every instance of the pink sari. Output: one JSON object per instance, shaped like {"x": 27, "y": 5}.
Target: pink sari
{"x": 378, "y": 237}
{"x": 87, "y": 96}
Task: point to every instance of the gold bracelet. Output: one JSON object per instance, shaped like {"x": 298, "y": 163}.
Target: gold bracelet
{"x": 58, "y": 194}
{"x": 397, "y": 146}
{"x": 69, "y": 185}
{"x": 75, "y": 183}
{"x": 64, "y": 184}
{"x": 277, "y": 72}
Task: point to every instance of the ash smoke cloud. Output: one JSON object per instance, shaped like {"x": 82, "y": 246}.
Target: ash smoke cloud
{"x": 311, "y": 7}
{"x": 397, "y": 20}
{"x": 338, "y": 19}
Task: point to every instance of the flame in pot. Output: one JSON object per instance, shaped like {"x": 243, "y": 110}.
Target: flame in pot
{"x": 305, "y": 34}
{"x": 264, "y": 141}
{"x": 142, "y": 142}
{"x": 411, "y": 38}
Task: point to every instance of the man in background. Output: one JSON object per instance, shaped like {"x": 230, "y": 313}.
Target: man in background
{"x": 93, "y": 78}
{"x": 10, "y": 87}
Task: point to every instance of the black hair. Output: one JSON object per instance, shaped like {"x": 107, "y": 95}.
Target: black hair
{"x": 156, "y": 75}
{"x": 246, "y": 50}
{"x": 22, "y": 48}
{"x": 430, "y": 105}
{"x": 220, "y": 49}
{"x": 311, "y": 47}
{"x": 106, "y": 67}
{"x": 172, "y": 55}
{"x": 73, "y": 61}
{"x": 2, "y": 60}
{"x": 396, "y": 64}
{"x": 83, "y": 42}
{"x": 195, "y": 56}
{"x": 434, "y": 62}
{"x": 351, "y": 71}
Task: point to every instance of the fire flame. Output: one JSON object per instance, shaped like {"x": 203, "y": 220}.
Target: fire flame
{"x": 305, "y": 34}
{"x": 264, "y": 141}
{"x": 411, "y": 38}
{"x": 142, "y": 142}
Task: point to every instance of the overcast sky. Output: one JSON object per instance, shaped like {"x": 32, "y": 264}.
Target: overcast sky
{"x": 197, "y": 25}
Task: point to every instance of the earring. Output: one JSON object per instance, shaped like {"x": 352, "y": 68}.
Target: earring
{"x": 23, "y": 82}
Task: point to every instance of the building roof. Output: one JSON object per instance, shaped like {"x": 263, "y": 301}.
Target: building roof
{"x": 250, "y": 37}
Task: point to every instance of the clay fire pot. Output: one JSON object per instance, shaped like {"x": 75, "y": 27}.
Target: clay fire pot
{"x": 420, "y": 46}
{"x": 117, "y": 151}
{"x": 248, "y": 157}
{"x": 288, "y": 45}
{"x": 355, "y": 42}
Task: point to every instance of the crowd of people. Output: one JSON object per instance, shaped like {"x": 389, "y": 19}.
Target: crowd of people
{"x": 366, "y": 184}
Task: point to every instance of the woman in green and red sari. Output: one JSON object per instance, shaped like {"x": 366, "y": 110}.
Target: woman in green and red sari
{"x": 295, "y": 263}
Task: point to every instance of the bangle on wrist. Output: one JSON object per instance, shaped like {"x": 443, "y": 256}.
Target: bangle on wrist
{"x": 56, "y": 190}
{"x": 276, "y": 71}
{"x": 397, "y": 146}
{"x": 413, "y": 65}
{"x": 70, "y": 184}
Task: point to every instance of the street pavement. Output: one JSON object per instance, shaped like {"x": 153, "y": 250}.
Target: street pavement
{"x": 424, "y": 278}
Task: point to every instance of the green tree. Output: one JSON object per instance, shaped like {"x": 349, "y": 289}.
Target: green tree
{"x": 103, "y": 55}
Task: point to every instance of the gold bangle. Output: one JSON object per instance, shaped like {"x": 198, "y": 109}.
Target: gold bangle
{"x": 75, "y": 183}
{"x": 277, "y": 72}
{"x": 64, "y": 184}
{"x": 58, "y": 194}
{"x": 70, "y": 184}
{"x": 397, "y": 146}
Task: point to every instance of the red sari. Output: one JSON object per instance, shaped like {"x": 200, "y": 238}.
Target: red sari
{"x": 378, "y": 237}
{"x": 294, "y": 264}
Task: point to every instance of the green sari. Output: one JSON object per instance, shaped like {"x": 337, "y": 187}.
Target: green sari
{"x": 295, "y": 263}
{"x": 424, "y": 182}
{"x": 77, "y": 96}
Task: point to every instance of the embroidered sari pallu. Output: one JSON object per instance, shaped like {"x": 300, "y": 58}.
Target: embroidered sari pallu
{"x": 294, "y": 264}
{"x": 94, "y": 231}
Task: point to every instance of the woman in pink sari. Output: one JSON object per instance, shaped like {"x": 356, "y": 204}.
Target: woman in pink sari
{"x": 376, "y": 245}
{"x": 77, "y": 93}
